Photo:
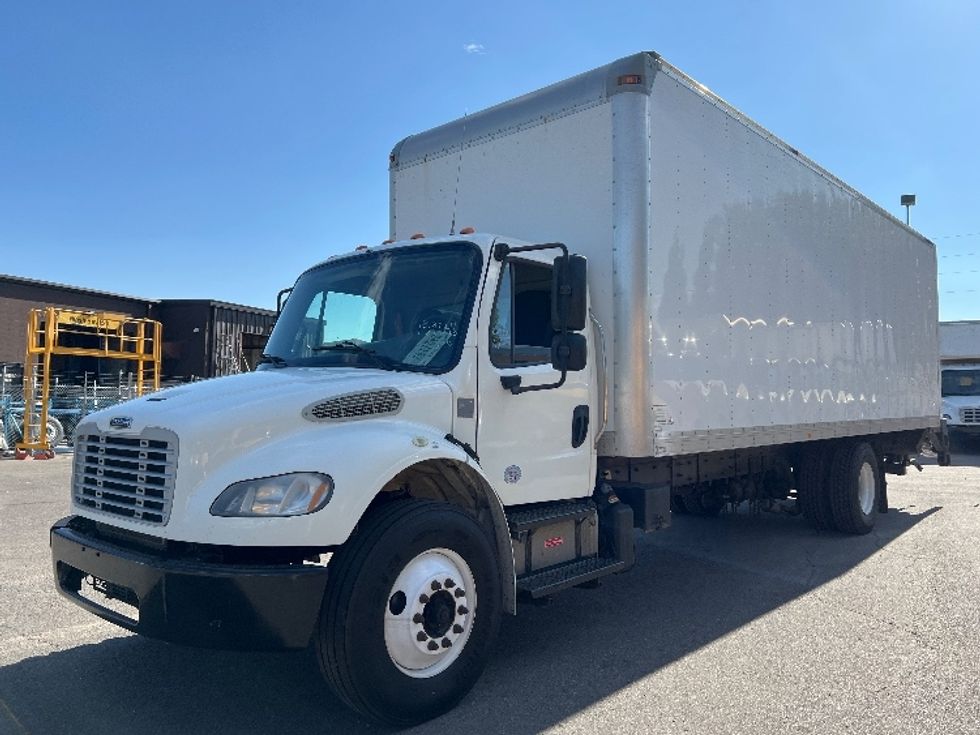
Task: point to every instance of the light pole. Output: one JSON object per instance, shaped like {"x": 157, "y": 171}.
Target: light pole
{"x": 908, "y": 201}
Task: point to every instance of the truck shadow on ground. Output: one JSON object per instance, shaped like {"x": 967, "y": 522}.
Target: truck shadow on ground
{"x": 692, "y": 585}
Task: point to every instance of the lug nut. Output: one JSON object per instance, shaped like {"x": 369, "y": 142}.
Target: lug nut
{"x": 433, "y": 646}
{"x": 460, "y": 592}
{"x": 423, "y": 599}
{"x": 436, "y": 585}
{"x": 446, "y": 643}
{"x": 462, "y": 610}
{"x": 418, "y": 618}
{"x": 449, "y": 583}
{"x": 457, "y": 629}
{"x": 421, "y": 636}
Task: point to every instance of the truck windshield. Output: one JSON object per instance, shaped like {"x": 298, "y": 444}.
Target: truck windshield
{"x": 398, "y": 309}
{"x": 961, "y": 382}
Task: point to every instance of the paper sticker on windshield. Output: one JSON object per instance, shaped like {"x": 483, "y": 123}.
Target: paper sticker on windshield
{"x": 428, "y": 347}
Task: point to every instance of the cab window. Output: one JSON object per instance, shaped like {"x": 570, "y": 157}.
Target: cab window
{"x": 520, "y": 323}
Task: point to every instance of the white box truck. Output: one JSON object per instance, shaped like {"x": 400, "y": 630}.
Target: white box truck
{"x": 959, "y": 353}
{"x": 667, "y": 309}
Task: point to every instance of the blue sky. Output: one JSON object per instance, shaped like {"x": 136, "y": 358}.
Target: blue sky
{"x": 215, "y": 149}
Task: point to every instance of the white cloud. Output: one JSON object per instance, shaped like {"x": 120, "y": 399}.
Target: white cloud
{"x": 474, "y": 48}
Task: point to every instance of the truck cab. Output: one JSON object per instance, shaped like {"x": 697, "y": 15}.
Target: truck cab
{"x": 413, "y": 395}
{"x": 961, "y": 398}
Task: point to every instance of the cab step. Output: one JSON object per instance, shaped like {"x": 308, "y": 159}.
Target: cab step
{"x": 528, "y": 519}
{"x": 570, "y": 574}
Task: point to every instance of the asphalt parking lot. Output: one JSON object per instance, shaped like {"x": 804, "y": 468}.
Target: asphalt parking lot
{"x": 748, "y": 623}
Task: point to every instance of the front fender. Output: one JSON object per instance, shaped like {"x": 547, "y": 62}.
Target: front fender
{"x": 360, "y": 456}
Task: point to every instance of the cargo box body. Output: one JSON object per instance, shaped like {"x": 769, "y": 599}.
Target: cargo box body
{"x": 746, "y": 297}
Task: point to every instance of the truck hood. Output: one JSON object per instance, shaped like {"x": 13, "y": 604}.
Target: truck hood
{"x": 259, "y": 396}
{"x": 952, "y": 404}
{"x": 260, "y": 424}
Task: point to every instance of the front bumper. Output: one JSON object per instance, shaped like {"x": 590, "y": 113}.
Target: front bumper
{"x": 190, "y": 602}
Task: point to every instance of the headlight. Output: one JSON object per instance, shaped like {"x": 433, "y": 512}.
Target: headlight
{"x": 294, "y": 494}
{"x": 947, "y": 417}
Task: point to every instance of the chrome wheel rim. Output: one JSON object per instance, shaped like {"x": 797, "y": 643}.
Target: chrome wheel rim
{"x": 429, "y": 613}
{"x": 866, "y": 488}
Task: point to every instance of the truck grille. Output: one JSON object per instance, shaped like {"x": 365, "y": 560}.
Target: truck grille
{"x": 128, "y": 476}
{"x": 970, "y": 415}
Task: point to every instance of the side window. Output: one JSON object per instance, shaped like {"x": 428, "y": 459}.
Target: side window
{"x": 520, "y": 324}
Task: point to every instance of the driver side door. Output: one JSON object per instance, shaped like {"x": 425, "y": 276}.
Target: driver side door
{"x": 539, "y": 445}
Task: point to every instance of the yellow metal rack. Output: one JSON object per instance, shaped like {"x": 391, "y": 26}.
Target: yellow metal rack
{"x": 53, "y": 331}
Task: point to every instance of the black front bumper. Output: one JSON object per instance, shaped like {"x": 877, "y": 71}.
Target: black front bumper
{"x": 190, "y": 602}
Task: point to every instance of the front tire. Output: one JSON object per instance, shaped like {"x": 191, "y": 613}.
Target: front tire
{"x": 410, "y": 613}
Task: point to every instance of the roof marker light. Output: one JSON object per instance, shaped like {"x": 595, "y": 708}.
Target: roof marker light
{"x": 387, "y": 242}
{"x": 417, "y": 236}
{"x": 629, "y": 79}
{"x": 467, "y": 231}
{"x": 360, "y": 248}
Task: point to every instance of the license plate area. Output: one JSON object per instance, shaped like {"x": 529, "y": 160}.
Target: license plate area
{"x": 109, "y": 596}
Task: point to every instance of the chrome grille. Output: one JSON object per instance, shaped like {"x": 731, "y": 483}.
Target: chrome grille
{"x": 970, "y": 415}
{"x": 355, "y": 405}
{"x": 129, "y": 476}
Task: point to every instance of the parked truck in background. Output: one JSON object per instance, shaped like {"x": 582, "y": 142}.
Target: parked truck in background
{"x": 959, "y": 352}
{"x": 667, "y": 309}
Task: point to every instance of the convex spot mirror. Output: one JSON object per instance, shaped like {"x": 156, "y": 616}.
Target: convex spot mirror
{"x": 568, "y": 294}
{"x": 569, "y": 352}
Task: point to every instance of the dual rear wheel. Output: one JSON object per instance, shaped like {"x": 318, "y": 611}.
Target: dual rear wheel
{"x": 841, "y": 486}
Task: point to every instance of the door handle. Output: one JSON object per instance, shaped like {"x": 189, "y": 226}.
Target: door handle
{"x": 580, "y": 425}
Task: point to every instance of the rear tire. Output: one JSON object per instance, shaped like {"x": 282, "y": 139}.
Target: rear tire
{"x": 812, "y": 477}
{"x": 392, "y": 644}
{"x": 855, "y": 487}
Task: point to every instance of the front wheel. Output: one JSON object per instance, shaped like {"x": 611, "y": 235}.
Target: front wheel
{"x": 411, "y": 611}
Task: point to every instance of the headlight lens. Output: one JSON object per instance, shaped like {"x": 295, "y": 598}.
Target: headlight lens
{"x": 295, "y": 494}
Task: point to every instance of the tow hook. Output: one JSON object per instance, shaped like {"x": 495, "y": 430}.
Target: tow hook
{"x": 915, "y": 463}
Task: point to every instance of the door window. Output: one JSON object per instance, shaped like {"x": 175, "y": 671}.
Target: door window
{"x": 520, "y": 323}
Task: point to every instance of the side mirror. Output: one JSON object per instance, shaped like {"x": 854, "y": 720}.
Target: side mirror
{"x": 569, "y": 352}
{"x": 568, "y": 294}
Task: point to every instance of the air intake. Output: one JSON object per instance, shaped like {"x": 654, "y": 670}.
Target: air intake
{"x": 355, "y": 406}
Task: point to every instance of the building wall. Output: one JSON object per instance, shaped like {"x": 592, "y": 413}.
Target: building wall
{"x": 201, "y": 338}
{"x": 18, "y": 297}
{"x": 959, "y": 341}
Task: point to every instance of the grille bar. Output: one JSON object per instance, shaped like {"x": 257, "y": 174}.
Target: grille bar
{"x": 970, "y": 415}
{"x": 127, "y": 476}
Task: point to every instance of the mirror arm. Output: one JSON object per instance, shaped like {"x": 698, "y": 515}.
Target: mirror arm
{"x": 513, "y": 384}
{"x": 279, "y": 301}
{"x": 501, "y": 250}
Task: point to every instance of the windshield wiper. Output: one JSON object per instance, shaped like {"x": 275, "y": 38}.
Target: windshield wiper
{"x": 274, "y": 360}
{"x": 349, "y": 345}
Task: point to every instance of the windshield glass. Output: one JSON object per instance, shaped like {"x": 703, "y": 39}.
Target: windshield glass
{"x": 399, "y": 309}
{"x": 961, "y": 382}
